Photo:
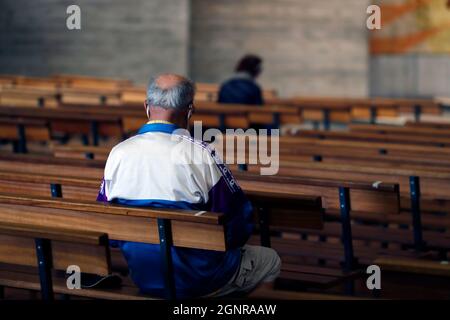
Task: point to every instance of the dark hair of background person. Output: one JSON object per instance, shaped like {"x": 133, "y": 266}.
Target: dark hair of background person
{"x": 250, "y": 64}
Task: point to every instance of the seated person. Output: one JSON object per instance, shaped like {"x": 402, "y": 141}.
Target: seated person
{"x": 242, "y": 88}
{"x": 160, "y": 167}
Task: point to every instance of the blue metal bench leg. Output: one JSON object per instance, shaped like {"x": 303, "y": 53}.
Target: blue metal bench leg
{"x": 326, "y": 119}
{"x": 417, "y": 112}
{"x": 22, "y": 143}
{"x": 44, "y": 260}
{"x": 263, "y": 217}
{"x": 94, "y": 132}
{"x": 165, "y": 243}
{"x": 373, "y": 115}
{"x": 56, "y": 190}
{"x": 414, "y": 188}
{"x": 349, "y": 261}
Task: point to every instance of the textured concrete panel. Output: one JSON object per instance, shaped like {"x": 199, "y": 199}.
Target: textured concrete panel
{"x": 410, "y": 75}
{"x": 309, "y": 47}
{"x": 131, "y": 39}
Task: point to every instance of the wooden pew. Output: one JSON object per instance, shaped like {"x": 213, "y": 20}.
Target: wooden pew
{"x": 377, "y": 137}
{"x": 26, "y": 96}
{"x": 49, "y": 93}
{"x": 19, "y": 131}
{"x": 429, "y": 124}
{"x": 275, "y": 211}
{"x": 89, "y": 96}
{"x": 33, "y": 82}
{"x": 211, "y": 114}
{"x": 50, "y": 248}
{"x": 416, "y": 266}
{"x": 363, "y": 196}
{"x": 379, "y": 155}
{"x": 341, "y": 110}
{"x": 265, "y": 115}
{"x": 83, "y": 82}
{"x": 64, "y": 218}
{"x": 69, "y": 121}
{"x": 371, "y": 148}
{"x": 414, "y": 131}
{"x": 370, "y": 108}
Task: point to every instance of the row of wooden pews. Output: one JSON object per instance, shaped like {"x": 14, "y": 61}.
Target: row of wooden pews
{"x": 77, "y": 91}
{"x": 276, "y": 211}
{"x": 341, "y": 200}
{"x": 420, "y": 172}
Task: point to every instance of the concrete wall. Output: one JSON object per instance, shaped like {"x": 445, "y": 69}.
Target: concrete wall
{"x": 410, "y": 75}
{"x": 131, "y": 39}
{"x": 309, "y": 47}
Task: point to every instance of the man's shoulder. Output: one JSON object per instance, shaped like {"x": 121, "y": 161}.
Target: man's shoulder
{"x": 200, "y": 148}
{"x": 124, "y": 146}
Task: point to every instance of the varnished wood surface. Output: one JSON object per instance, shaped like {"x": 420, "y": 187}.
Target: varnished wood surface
{"x": 58, "y": 234}
{"x": 417, "y": 266}
{"x": 137, "y": 228}
{"x": 112, "y": 209}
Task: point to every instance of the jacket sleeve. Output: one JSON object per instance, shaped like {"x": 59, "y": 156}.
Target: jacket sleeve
{"x": 101, "y": 197}
{"x": 227, "y": 197}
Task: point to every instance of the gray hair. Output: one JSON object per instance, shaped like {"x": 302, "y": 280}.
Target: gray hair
{"x": 177, "y": 97}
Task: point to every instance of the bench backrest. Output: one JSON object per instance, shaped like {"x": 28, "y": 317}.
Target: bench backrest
{"x": 88, "y": 250}
{"x": 190, "y": 229}
{"x": 373, "y": 198}
{"x": 283, "y": 209}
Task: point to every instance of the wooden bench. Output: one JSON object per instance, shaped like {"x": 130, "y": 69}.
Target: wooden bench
{"x": 362, "y": 110}
{"x": 20, "y": 131}
{"x": 376, "y": 137}
{"x": 414, "y": 131}
{"x": 83, "y": 82}
{"x": 26, "y": 96}
{"x": 211, "y": 114}
{"x": 68, "y": 121}
{"x": 416, "y": 266}
{"x": 364, "y": 196}
{"x": 429, "y": 124}
{"x": 275, "y": 211}
{"x": 49, "y": 221}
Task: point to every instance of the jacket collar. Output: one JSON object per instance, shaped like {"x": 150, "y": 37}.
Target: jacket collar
{"x": 156, "y": 126}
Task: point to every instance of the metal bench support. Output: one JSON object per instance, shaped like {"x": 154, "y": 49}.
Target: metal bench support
{"x": 165, "y": 243}
{"x": 22, "y": 143}
{"x": 56, "y": 190}
{"x": 414, "y": 189}
{"x": 44, "y": 260}
{"x": 326, "y": 119}
{"x": 263, "y": 217}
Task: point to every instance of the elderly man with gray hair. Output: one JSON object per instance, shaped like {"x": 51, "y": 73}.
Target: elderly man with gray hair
{"x": 142, "y": 171}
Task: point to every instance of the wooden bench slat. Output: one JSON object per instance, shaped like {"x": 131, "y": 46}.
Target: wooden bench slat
{"x": 58, "y": 234}
{"x": 414, "y": 266}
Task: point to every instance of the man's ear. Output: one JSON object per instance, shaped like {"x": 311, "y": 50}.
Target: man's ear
{"x": 146, "y": 109}
{"x": 190, "y": 111}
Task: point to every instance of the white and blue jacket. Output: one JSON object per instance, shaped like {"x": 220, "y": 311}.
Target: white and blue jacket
{"x": 159, "y": 169}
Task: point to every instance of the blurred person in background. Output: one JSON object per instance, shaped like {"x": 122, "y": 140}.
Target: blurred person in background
{"x": 242, "y": 88}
